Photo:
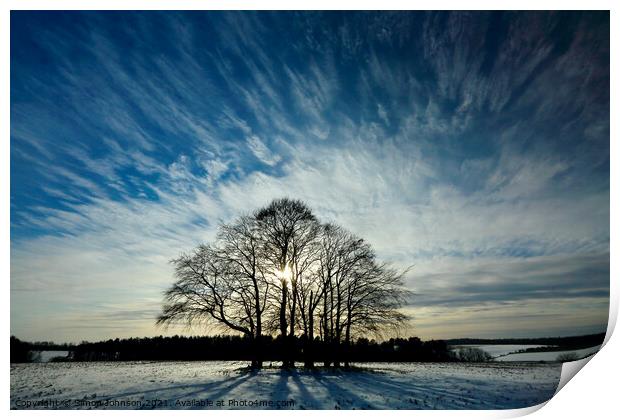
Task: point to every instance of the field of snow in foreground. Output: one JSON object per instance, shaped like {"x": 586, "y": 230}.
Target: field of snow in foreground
{"x": 546, "y": 356}
{"x": 175, "y": 385}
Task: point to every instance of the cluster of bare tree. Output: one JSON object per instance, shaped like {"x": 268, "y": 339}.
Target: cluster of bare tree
{"x": 279, "y": 270}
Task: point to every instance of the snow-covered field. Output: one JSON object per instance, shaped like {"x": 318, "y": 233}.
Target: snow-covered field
{"x": 496, "y": 350}
{"x": 546, "y": 356}
{"x": 173, "y": 385}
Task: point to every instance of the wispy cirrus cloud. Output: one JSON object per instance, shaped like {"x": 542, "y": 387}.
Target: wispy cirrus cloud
{"x": 446, "y": 140}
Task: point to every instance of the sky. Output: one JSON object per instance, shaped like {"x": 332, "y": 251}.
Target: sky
{"x": 473, "y": 146}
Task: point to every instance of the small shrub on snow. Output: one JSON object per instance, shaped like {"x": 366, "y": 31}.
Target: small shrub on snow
{"x": 471, "y": 354}
{"x": 567, "y": 357}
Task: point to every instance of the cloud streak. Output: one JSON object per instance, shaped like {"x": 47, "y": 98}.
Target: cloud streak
{"x": 446, "y": 140}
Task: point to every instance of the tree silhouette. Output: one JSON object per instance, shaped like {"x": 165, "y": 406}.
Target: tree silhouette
{"x": 280, "y": 271}
{"x": 289, "y": 231}
{"x": 224, "y": 283}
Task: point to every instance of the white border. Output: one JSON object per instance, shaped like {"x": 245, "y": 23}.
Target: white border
{"x": 307, "y": 5}
{"x": 592, "y": 395}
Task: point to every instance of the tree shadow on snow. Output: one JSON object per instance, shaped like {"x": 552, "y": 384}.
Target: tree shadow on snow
{"x": 308, "y": 399}
{"x": 212, "y": 390}
{"x": 344, "y": 398}
{"x": 344, "y": 389}
{"x": 470, "y": 394}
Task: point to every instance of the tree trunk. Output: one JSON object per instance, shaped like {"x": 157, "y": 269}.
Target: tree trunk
{"x": 347, "y": 344}
{"x": 255, "y": 344}
{"x": 286, "y": 356}
{"x": 258, "y": 339}
{"x": 293, "y": 311}
{"x": 257, "y": 362}
{"x": 336, "y": 340}
{"x": 326, "y": 329}
{"x": 309, "y": 347}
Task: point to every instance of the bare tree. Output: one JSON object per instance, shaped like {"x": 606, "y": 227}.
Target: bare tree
{"x": 240, "y": 247}
{"x": 280, "y": 270}
{"x": 374, "y": 295}
{"x": 330, "y": 243}
{"x": 289, "y": 228}
{"x": 224, "y": 284}
{"x": 359, "y": 294}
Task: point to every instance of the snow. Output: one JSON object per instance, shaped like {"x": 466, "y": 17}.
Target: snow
{"x": 195, "y": 384}
{"x": 546, "y": 356}
{"x": 496, "y": 350}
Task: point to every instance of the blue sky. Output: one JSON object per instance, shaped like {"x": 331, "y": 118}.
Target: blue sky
{"x": 473, "y": 145}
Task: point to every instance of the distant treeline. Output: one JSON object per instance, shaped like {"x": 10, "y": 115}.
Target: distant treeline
{"x": 240, "y": 348}
{"x": 21, "y": 351}
{"x": 580, "y": 341}
{"x": 50, "y": 345}
{"x": 230, "y": 347}
{"x": 25, "y": 352}
{"x": 225, "y": 347}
